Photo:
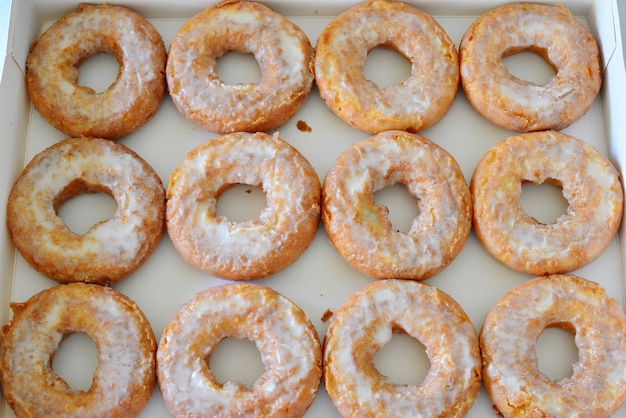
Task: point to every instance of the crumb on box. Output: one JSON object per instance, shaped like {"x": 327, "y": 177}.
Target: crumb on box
{"x": 327, "y": 315}
{"x": 303, "y": 126}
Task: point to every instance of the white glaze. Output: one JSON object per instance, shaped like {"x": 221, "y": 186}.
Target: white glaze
{"x": 589, "y": 182}
{"x": 364, "y": 324}
{"x": 361, "y": 231}
{"x": 413, "y": 104}
{"x": 287, "y": 342}
{"x": 281, "y": 49}
{"x": 121, "y": 241}
{"x": 125, "y": 372}
{"x": 217, "y": 245}
{"x": 52, "y": 69}
{"x": 597, "y": 386}
{"x": 518, "y": 104}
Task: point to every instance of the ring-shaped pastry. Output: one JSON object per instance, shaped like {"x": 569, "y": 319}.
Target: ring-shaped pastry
{"x": 551, "y": 32}
{"x": 411, "y": 105}
{"x": 111, "y": 249}
{"x": 53, "y": 64}
{"x": 124, "y": 379}
{"x": 286, "y": 339}
{"x": 597, "y": 385}
{"x": 281, "y": 49}
{"x": 365, "y": 323}
{"x": 254, "y": 248}
{"x": 589, "y": 182}
{"x": 360, "y": 229}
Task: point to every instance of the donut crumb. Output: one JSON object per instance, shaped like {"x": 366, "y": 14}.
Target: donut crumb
{"x": 327, "y": 315}
{"x": 303, "y": 126}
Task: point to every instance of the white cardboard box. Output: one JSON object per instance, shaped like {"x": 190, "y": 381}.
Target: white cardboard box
{"x": 320, "y": 279}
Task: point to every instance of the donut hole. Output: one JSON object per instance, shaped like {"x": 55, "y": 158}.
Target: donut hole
{"x": 403, "y": 359}
{"x": 544, "y": 202}
{"x": 386, "y": 66}
{"x": 99, "y": 71}
{"x": 402, "y": 207}
{"x": 557, "y": 351}
{"x": 529, "y": 65}
{"x": 238, "y": 68}
{"x": 241, "y": 202}
{"x": 236, "y": 360}
{"x": 76, "y": 360}
{"x": 81, "y": 206}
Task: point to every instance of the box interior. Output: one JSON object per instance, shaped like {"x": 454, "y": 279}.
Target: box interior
{"x": 25, "y": 133}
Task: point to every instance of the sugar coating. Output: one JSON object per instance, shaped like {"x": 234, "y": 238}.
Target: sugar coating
{"x": 597, "y": 385}
{"x": 366, "y": 322}
{"x": 550, "y": 31}
{"x": 361, "y": 230}
{"x": 413, "y": 104}
{"x": 53, "y": 66}
{"x": 248, "y": 249}
{"x": 116, "y": 244}
{"x": 124, "y": 378}
{"x": 281, "y": 49}
{"x": 590, "y": 184}
{"x": 286, "y": 340}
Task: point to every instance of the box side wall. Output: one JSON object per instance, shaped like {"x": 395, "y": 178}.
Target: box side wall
{"x": 14, "y": 118}
{"x": 159, "y": 9}
{"x": 615, "y": 123}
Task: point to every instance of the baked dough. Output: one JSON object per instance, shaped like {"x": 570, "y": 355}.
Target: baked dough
{"x": 519, "y": 105}
{"x": 124, "y": 379}
{"x": 411, "y": 105}
{"x": 281, "y": 49}
{"x": 590, "y": 184}
{"x": 53, "y": 64}
{"x": 111, "y": 249}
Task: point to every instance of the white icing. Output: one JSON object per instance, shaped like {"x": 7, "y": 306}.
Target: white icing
{"x": 281, "y": 52}
{"x": 524, "y": 105}
{"x": 513, "y": 326}
{"x": 590, "y": 185}
{"x": 364, "y": 324}
{"x": 288, "y": 346}
{"x": 118, "y": 241}
{"x": 416, "y": 102}
{"x": 118, "y": 331}
{"x": 292, "y": 193}
{"x": 79, "y": 35}
{"x": 363, "y": 231}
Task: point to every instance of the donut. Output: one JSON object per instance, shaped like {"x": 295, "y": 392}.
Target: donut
{"x": 365, "y": 323}
{"x": 124, "y": 379}
{"x": 411, "y": 105}
{"x": 111, "y": 249}
{"x": 286, "y": 339}
{"x": 281, "y": 49}
{"x": 589, "y": 182}
{"x": 519, "y": 105}
{"x": 360, "y": 229}
{"x": 508, "y": 338}
{"x": 254, "y": 248}
{"x": 53, "y": 64}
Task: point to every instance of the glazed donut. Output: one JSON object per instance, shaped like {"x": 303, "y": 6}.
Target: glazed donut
{"x": 589, "y": 182}
{"x": 110, "y": 250}
{"x": 286, "y": 339}
{"x": 365, "y": 323}
{"x": 597, "y": 386}
{"x": 251, "y": 249}
{"x": 411, "y": 105}
{"x": 134, "y": 97}
{"x": 551, "y": 32}
{"x": 359, "y": 228}
{"x": 281, "y": 49}
{"x": 124, "y": 380}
